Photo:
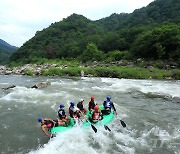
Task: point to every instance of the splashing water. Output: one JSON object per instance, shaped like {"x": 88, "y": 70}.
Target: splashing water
{"x": 150, "y": 109}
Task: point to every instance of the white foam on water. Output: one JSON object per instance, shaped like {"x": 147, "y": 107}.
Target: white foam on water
{"x": 72, "y": 141}
{"x": 4, "y": 83}
{"x": 120, "y": 140}
{"x": 30, "y": 95}
{"x": 21, "y": 94}
{"x": 88, "y": 79}
{"x": 56, "y": 83}
{"x": 168, "y": 88}
{"x": 158, "y": 138}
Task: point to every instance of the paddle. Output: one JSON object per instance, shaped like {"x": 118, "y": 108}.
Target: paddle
{"x": 123, "y": 123}
{"x": 107, "y": 128}
{"x": 92, "y": 126}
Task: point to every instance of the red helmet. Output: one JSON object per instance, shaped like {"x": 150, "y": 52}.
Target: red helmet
{"x": 92, "y": 97}
{"x": 96, "y": 107}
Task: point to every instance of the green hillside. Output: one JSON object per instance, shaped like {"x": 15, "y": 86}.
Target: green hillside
{"x": 5, "y": 51}
{"x": 151, "y": 33}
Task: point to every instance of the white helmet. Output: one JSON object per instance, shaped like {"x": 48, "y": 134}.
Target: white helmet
{"x": 81, "y": 100}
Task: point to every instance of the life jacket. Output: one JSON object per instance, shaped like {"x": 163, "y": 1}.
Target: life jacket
{"x": 72, "y": 109}
{"x": 92, "y": 104}
{"x": 48, "y": 124}
{"x": 108, "y": 104}
{"x": 61, "y": 113}
{"x": 80, "y": 106}
{"x": 73, "y": 113}
{"x": 96, "y": 115}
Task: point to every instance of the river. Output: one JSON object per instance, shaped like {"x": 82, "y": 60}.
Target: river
{"x": 150, "y": 109}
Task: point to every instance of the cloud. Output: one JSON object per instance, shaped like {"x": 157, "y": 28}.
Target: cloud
{"x": 20, "y": 19}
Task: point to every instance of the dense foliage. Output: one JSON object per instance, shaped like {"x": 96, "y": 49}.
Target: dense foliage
{"x": 160, "y": 43}
{"x": 152, "y": 33}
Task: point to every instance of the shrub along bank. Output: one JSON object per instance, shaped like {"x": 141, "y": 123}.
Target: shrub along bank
{"x": 119, "y": 69}
{"x": 115, "y": 72}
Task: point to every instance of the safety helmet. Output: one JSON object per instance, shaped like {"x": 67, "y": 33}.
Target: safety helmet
{"x": 92, "y": 97}
{"x": 61, "y": 105}
{"x": 81, "y": 100}
{"x": 96, "y": 107}
{"x": 108, "y": 97}
{"x": 72, "y": 103}
{"x": 40, "y": 119}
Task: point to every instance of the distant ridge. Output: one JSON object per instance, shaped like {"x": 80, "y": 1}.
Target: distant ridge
{"x": 151, "y": 32}
{"x": 5, "y": 51}
{"x": 4, "y": 44}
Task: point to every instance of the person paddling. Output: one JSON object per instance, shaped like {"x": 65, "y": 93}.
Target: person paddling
{"x": 91, "y": 104}
{"x": 62, "y": 114}
{"x": 81, "y": 107}
{"x": 47, "y": 123}
{"x": 108, "y": 105}
{"x": 96, "y": 115}
{"x": 73, "y": 112}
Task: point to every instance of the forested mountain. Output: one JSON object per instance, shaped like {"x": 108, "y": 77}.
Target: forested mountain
{"x": 5, "y": 51}
{"x": 155, "y": 13}
{"x": 152, "y": 32}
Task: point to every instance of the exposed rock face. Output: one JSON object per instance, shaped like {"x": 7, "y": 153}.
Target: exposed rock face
{"x": 41, "y": 85}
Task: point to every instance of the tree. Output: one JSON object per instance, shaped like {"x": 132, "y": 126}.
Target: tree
{"x": 92, "y": 53}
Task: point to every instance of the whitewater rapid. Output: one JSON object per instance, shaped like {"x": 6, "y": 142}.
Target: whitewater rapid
{"x": 150, "y": 108}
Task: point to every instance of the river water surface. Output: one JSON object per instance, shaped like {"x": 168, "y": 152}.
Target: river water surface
{"x": 150, "y": 109}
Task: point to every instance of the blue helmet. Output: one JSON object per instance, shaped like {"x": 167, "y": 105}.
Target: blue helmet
{"x": 61, "y": 105}
{"x": 72, "y": 103}
{"x": 108, "y": 97}
{"x": 40, "y": 119}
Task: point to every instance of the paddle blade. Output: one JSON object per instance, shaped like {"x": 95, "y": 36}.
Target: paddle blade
{"x": 94, "y": 128}
{"x": 107, "y": 128}
{"x": 123, "y": 123}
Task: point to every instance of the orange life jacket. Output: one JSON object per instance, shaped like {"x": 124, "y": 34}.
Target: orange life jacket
{"x": 96, "y": 115}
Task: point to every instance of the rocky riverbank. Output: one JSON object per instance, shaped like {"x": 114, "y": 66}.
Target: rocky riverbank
{"x": 119, "y": 69}
{"x": 22, "y": 70}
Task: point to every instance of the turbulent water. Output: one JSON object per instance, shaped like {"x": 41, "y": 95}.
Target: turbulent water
{"x": 150, "y": 109}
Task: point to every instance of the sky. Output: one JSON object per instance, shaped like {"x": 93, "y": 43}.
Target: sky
{"x": 20, "y": 19}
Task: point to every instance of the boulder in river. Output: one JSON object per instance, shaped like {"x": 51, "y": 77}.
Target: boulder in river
{"x": 9, "y": 87}
{"x": 41, "y": 85}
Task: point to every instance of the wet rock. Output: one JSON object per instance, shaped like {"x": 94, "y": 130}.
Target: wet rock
{"x": 41, "y": 85}
{"x": 150, "y": 68}
{"x": 9, "y": 87}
